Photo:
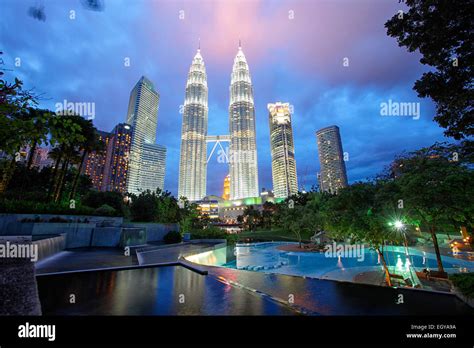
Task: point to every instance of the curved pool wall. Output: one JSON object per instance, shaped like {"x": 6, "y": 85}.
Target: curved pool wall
{"x": 265, "y": 257}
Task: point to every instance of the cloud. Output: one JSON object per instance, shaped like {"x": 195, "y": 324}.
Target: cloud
{"x": 295, "y": 51}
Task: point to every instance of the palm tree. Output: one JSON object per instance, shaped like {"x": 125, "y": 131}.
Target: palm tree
{"x": 93, "y": 143}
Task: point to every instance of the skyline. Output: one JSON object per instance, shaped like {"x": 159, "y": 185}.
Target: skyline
{"x": 284, "y": 68}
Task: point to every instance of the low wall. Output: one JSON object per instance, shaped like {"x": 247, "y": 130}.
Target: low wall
{"x": 18, "y": 290}
{"x": 154, "y": 231}
{"x": 50, "y": 246}
{"x": 106, "y": 236}
{"x": 11, "y": 225}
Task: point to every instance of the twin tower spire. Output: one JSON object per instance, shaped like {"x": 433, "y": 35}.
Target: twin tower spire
{"x": 242, "y": 153}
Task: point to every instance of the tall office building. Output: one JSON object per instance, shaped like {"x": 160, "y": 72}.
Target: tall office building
{"x": 331, "y": 158}
{"x": 118, "y": 153}
{"x": 142, "y": 116}
{"x": 285, "y": 182}
{"x": 153, "y": 167}
{"x": 95, "y": 163}
{"x": 243, "y": 147}
{"x": 193, "y": 162}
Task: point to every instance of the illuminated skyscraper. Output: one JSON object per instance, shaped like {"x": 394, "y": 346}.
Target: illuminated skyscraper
{"x": 95, "y": 163}
{"x": 243, "y": 147}
{"x": 285, "y": 182}
{"x": 153, "y": 167}
{"x": 331, "y": 158}
{"x": 142, "y": 116}
{"x": 118, "y": 153}
{"x": 193, "y": 162}
{"x": 226, "y": 191}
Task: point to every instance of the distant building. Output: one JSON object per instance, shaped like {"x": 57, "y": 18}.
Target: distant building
{"x": 243, "y": 144}
{"x": 193, "y": 152}
{"x": 285, "y": 182}
{"x": 209, "y": 206}
{"x": 95, "y": 163}
{"x": 153, "y": 167}
{"x": 331, "y": 158}
{"x": 143, "y": 116}
{"x": 41, "y": 158}
{"x": 118, "y": 153}
{"x": 226, "y": 190}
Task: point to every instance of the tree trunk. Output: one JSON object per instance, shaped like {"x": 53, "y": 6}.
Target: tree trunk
{"x": 384, "y": 264}
{"x": 76, "y": 178}
{"x": 59, "y": 188}
{"x": 54, "y": 175}
{"x": 31, "y": 154}
{"x": 436, "y": 247}
{"x": 7, "y": 174}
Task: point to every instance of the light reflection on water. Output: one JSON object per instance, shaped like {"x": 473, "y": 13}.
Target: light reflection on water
{"x": 170, "y": 290}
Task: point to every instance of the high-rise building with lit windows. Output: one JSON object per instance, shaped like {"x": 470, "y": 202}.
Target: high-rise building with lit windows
{"x": 285, "y": 182}
{"x": 333, "y": 175}
{"x": 142, "y": 116}
{"x": 243, "y": 144}
{"x": 193, "y": 162}
{"x": 118, "y": 154}
{"x": 95, "y": 163}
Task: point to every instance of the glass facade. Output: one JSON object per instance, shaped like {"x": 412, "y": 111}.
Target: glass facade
{"x": 331, "y": 158}
{"x": 243, "y": 144}
{"x": 193, "y": 161}
{"x": 285, "y": 182}
{"x": 142, "y": 116}
{"x": 153, "y": 167}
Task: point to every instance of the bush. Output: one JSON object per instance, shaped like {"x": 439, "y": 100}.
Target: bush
{"x": 143, "y": 208}
{"x": 213, "y": 232}
{"x": 97, "y": 199}
{"x": 465, "y": 283}
{"x": 30, "y": 207}
{"x": 105, "y": 210}
{"x": 172, "y": 237}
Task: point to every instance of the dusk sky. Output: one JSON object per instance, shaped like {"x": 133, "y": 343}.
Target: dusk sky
{"x": 295, "y": 51}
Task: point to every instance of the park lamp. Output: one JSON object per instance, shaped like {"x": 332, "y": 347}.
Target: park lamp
{"x": 398, "y": 225}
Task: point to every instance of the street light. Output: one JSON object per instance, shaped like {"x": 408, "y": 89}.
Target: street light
{"x": 399, "y": 225}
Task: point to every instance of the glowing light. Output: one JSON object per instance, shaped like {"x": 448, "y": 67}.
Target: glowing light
{"x": 399, "y": 263}
{"x": 399, "y": 225}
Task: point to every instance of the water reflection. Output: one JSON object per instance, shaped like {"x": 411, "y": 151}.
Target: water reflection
{"x": 149, "y": 291}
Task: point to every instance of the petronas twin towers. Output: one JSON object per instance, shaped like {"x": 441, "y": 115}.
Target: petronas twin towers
{"x": 242, "y": 154}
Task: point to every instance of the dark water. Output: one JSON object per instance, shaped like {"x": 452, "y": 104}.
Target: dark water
{"x": 149, "y": 291}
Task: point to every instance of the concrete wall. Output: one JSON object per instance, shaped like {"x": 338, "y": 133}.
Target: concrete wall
{"x": 154, "y": 231}
{"x": 18, "y": 290}
{"x": 50, "y": 246}
{"x": 98, "y": 231}
{"x": 10, "y": 223}
{"x": 106, "y": 236}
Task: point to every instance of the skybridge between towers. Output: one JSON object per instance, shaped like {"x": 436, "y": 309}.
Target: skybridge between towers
{"x": 217, "y": 140}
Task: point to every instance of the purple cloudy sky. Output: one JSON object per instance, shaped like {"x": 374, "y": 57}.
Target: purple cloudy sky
{"x": 295, "y": 50}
